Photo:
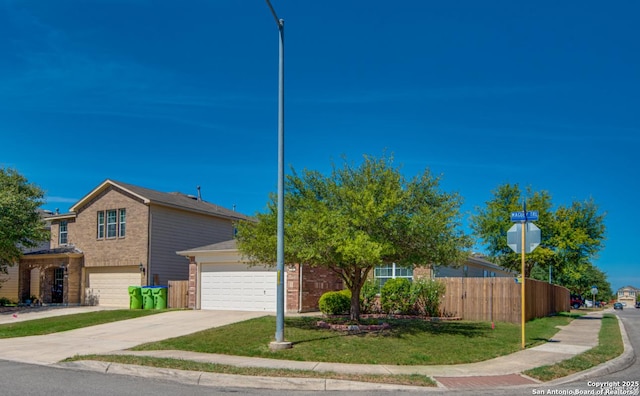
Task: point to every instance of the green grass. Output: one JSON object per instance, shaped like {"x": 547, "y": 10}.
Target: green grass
{"x": 610, "y": 345}
{"x": 409, "y": 342}
{"x": 69, "y": 322}
{"x": 413, "y": 379}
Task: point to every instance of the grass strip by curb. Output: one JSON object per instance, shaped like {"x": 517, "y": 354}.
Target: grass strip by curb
{"x": 609, "y": 346}
{"x": 180, "y": 364}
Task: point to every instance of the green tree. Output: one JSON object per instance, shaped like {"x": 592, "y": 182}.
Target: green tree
{"x": 358, "y": 218}
{"x": 20, "y": 223}
{"x": 571, "y": 236}
{"x": 582, "y": 282}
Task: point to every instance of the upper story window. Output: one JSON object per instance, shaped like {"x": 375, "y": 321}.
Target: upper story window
{"x": 122, "y": 223}
{"x": 62, "y": 236}
{"x": 111, "y": 223}
{"x": 100, "y": 234}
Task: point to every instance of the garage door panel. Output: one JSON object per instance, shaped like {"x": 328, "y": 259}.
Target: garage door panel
{"x": 248, "y": 290}
{"x": 110, "y": 286}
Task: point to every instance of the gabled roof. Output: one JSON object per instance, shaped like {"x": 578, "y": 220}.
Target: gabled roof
{"x": 628, "y": 288}
{"x": 152, "y": 197}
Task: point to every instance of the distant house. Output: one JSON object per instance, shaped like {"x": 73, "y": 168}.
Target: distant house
{"x": 628, "y": 295}
{"x": 120, "y": 235}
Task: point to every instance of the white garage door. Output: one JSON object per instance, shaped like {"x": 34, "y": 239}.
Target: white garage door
{"x": 238, "y": 288}
{"x": 110, "y": 286}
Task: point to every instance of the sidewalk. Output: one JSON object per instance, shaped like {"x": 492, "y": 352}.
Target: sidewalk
{"x": 575, "y": 338}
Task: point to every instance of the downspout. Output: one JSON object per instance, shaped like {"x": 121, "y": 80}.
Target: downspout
{"x": 300, "y": 290}
{"x": 197, "y": 304}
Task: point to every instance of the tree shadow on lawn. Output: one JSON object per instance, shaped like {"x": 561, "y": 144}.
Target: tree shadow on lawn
{"x": 400, "y": 328}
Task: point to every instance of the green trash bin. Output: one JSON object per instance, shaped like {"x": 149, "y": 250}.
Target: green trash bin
{"x": 135, "y": 297}
{"x": 160, "y": 297}
{"x": 147, "y": 298}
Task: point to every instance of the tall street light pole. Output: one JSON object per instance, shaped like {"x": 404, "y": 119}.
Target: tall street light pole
{"x": 279, "y": 342}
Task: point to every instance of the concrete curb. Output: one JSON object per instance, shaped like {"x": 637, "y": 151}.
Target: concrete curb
{"x": 238, "y": 381}
{"x": 626, "y": 359}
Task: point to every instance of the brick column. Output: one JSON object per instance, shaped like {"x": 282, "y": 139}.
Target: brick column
{"x": 193, "y": 283}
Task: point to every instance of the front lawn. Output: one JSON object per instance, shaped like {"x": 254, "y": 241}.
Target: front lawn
{"x": 57, "y": 324}
{"x": 409, "y": 342}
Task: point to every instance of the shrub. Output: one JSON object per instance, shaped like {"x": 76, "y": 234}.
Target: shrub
{"x": 4, "y": 302}
{"x": 395, "y": 296}
{"x": 427, "y": 295}
{"x": 369, "y": 302}
{"x": 335, "y": 302}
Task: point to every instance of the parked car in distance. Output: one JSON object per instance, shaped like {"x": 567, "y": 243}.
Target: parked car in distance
{"x": 638, "y": 304}
{"x": 576, "y": 301}
{"x": 617, "y": 305}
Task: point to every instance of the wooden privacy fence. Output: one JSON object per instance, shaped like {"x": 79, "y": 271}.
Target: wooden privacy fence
{"x": 498, "y": 299}
{"x": 178, "y": 294}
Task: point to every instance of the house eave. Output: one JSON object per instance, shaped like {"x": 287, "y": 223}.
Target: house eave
{"x": 96, "y": 191}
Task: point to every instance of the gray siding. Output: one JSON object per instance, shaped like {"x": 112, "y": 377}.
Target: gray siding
{"x": 174, "y": 230}
{"x": 474, "y": 270}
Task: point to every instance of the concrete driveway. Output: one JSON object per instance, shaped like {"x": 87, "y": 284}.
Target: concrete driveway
{"x": 105, "y": 338}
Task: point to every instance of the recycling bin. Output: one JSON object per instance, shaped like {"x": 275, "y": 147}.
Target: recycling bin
{"x": 160, "y": 297}
{"x": 135, "y": 297}
{"x": 147, "y": 297}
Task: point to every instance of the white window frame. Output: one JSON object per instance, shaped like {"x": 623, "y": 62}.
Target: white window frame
{"x": 112, "y": 226}
{"x": 63, "y": 240}
{"x": 395, "y": 273}
{"x": 122, "y": 223}
{"x": 100, "y": 220}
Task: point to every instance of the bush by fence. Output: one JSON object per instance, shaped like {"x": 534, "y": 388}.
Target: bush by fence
{"x": 482, "y": 299}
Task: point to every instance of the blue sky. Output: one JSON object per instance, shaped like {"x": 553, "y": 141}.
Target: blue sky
{"x": 170, "y": 96}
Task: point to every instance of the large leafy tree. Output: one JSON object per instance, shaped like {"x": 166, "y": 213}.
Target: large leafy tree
{"x": 20, "y": 223}
{"x": 359, "y": 217}
{"x": 571, "y": 236}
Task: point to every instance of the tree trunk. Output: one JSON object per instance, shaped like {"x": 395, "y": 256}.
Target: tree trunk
{"x": 355, "y": 301}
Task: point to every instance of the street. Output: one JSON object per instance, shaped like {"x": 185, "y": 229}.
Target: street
{"x": 24, "y": 379}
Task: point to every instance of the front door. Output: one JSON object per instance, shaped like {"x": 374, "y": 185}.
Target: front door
{"x": 57, "y": 291}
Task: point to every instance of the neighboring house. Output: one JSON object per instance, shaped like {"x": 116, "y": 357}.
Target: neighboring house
{"x": 221, "y": 279}
{"x": 121, "y": 235}
{"x": 9, "y": 282}
{"x": 629, "y": 295}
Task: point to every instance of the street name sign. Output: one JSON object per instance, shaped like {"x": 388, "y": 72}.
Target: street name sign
{"x": 529, "y": 215}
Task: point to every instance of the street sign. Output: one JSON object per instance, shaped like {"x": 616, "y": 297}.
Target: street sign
{"x": 532, "y": 238}
{"x": 529, "y": 215}
{"x": 594, "y": 290}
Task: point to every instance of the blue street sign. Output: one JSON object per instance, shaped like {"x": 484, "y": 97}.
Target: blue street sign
{"x": 530, "y": 215}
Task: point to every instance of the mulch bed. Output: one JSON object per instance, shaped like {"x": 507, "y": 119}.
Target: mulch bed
{"x": 337, "y": 322}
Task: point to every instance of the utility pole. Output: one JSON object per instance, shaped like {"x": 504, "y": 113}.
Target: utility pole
{"x": 279, "y": 342}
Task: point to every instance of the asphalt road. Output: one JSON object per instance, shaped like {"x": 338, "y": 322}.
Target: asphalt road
{"x": 24, "y": 379}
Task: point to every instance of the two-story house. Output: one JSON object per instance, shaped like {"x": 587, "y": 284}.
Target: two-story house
{"x": 121, "y": 235}
{"x": 628, "y": 295}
